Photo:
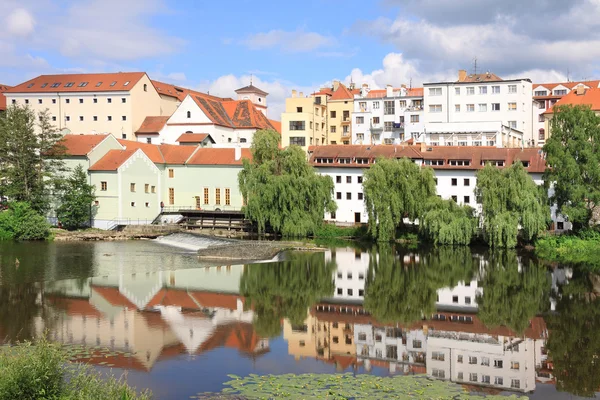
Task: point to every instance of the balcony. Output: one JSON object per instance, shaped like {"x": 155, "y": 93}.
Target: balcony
{"x": 376, "y": 128}
{"x": 346, "y": 120}
{"x": 346, "y": 134}
{"x": 398, "y": 127}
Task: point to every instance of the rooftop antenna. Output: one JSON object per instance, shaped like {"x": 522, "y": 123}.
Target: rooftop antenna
{"x": 475, "y": 66}
{"x": 410, "y": 83}
{"x": 251, "y": 75}
{"x": 568, "y": 75}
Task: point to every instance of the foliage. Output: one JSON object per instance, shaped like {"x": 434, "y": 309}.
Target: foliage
{"x": 333, "y": 231}
{"x": 582, "y": 249}
{"x": 76, "y": 200}
{"x": 573, "y": 159}
{"x": 344, "y": 386}
{"x": 402, "y": 287}
{"x": 394, "y": 190}
{"x": 574, "y": 341}
{"x": 286, "y": 289}
{"x": 21, "y": 222}
{"x": 282, "y": 190}
{"x": 40, "y": 371}
{"x": 512, "y": 295}
{"x": 30, "y": 154}
{"x": 510, "y": 200}
{"x": 445, "y": 222}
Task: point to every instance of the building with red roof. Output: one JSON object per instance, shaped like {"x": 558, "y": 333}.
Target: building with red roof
{"x": 3, "y": 88}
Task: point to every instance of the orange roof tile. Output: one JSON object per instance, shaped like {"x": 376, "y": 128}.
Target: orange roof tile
{"x": 173, "y": 154}
{"x": 3, "y": 88}
{"x": 193, "y": 138}
{"x": 151, "y": 150}
{"x": 342, "y": 93}
{"x": 152, "y": 125}
{"x": 80, "y": 145}
{"x": 417, "y": 92}
{"x": 489, "y": 77}
{"x": 179, "y": 92}
{"x": 218, "y": 156}
{"x": 276, "y": 125}
{"x": 104, "y": 82}
{"x": 591, "y": 98}
{"x": 216, "y": 300}
{"x": 570, "y": 85}
{"x": 112, "y": 160}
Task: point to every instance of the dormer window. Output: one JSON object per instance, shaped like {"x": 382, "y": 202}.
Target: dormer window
{"x": 56, "y": 84}
{"x": 44, "y": 85}
{"x": 126, "y": 83}
{"x": 69, "y": 84}
{"x": 495, "y": 163}
{"x": 113, "y": 83}
{"x": 345, "y": 160}
{"x": 525, "y": 164}
{"x": 362, "y": 161}
{"x": 460, "y": 163}
{"x": 434, "y": 162}
{"x": 98, "y": 84}
{"x": 30, "y": 85}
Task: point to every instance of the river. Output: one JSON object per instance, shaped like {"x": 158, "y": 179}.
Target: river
{"x": 494, "y": 322}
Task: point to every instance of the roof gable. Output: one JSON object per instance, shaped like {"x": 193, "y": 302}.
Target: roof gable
{"x": 194, "y": 138}
{"x": 342, "y": 93}
{"x": 151, "y": 150}
{"x": 252, "y": 89}
{"x": 3, "y": 88}
{"x": 104, "y": 82}
{"x": 591, "y": 97}
{"x": 81, "y": 145}
{"x": 112, "y": 160}
{"x": 152, "y": 125}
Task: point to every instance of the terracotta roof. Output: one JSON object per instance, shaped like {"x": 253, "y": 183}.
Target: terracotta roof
{"x": 112, "y": 160}
{"x": 489, "y": 77}
{"x": 193, "y": 138}
{"x": 74, "y": 306}
{"x": 365, "y": 151}
{"x": 216, "y": 300}
{"x": 276, "y": 125}
{"x": 240, "y": 114}
{"x": 591, "y": 97}
{"x": 3, "y": 88}
{"x": 113, "y": 295}
{"x": 342, "y": 93}
{"x": 218, "y": 156}
{"x": 178, "y": 92}
{"x": 569, "y": 85}
{"x": 151, "y": 150}
{"x": 323, "y": 91}
{"x": 418, "y": 92}
{"x": 152, "y": 125}
{"x": 80, "y": 145}
{"x": 105, "y": 82}
{"x": 379, "y": 93}
{"x": 251, "y": 89}
{"x": 173, "y": 154}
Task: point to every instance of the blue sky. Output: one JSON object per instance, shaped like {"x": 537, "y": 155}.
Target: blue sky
{"x": 215, "y": 46}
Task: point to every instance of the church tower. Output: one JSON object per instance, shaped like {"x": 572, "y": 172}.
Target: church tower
{"x": 257, "y": 96}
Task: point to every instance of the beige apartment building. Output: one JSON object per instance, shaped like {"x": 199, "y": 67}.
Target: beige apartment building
{"x": 340, "y": 106}
{"x": 304, "y": 122}
{"x": 114, "y": 103}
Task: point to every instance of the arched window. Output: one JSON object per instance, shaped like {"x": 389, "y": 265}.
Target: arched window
{"x": 145, "y": 87}
{"x": 189, "y": 114}
{"x": 542, "y": 134}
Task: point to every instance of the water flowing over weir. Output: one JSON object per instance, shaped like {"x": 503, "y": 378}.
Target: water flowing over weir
{"x": 192, "y": 242}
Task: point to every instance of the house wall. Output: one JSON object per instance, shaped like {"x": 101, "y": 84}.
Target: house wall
{"x": 311, "y": 135}
{"x": 139, "y": 207}
{"x": 339, "y": 106}
{"x": 108, "y": 200}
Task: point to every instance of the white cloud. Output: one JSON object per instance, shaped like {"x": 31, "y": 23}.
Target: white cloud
{"x": 20, "y": 23}
{"x": 177, "y": 76}
{"x": 289, "y": 41}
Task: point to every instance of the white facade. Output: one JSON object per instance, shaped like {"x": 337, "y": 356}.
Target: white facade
{"x": 508, "y": 102}
{"x": 351, "y": 273}
{"x": 493, "y": 134}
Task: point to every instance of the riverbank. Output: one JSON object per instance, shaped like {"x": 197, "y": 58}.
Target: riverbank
{"x": 582, "y": 249}
{"x": 132, "y": 232}
{"x": 245, "y": 250}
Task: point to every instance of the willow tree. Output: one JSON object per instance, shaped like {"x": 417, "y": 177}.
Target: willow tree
{"x": 394, "y": 190}
{"x": 283, "y": 191}
{"x": 510, "y": 201}
{"x": 445, "y": 222}
{"x": 512, "y": 294}
{"x": 573, "y": 159}
{"x": 286, "y": 290}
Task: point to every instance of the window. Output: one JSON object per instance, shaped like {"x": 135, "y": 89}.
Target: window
{"x": 14, "y": 101}
{"x": 512, "y": 106}
{"x": 460, "y": 376}
{"x": 472, "y": 360}
{"x": 123, "y": 100}
{"x": 455, "y": 199}
{"x": 69, "y": 84}
{"x": 218, "y": 196}
{"x": 498, "y": 380}
{"x": 132, "y": 187}
{"x": 95, "y": 100}
{"x": 457, "y": 108}
{"x": 147, "y": 188}
{"x": 39, "y": 101}
{"x": 297, "y": 141}
{"x": 470, "y": 90}
{"x": 126, "y": 83}
{"x": 460, "y": 163}
{"x": 171, "y": 196}
{"x": 54, "y": 118}
{"x": 26, "y": 101}
{"x": 485, "y": 379}
{"x": 512, "y": 124}
{"x": 376, "y": 105}
{"x": 67, "y": 118}
{"x": 359, "y": 179}
{"x": 473, "y": 377}
{"x": 388, "y": 126}
{"x": 362, "y": 336}
{"x": 350, "y": 292}
{"x": 338, "y": 179}
{"x": 96, "y": 203}
{"x": 435, "y": 91}
{"x": 332, "y": 114}
{"x": 470, "y": 107}
{"x": 133, "y": 204}
{"x": 438, "y": 373}
{"x": 438, "y": 356}
{"x": 454, "y": 181}
{"x": 459, "y": 359}
{"x": 297, "y": 125}
{"x": 338, "y": 195}
{"x": 435, "y": 108}
{"x": 360, "y": 120}
{"x": 80, "y": 101}
{"x": 95, "y": 118}
{"x": 467, "y": 200}
{"x": 455, "y": 299}
{"x": 145, "y": 87}
{"x": 482, "y": 107}
{"x": 103, "y": 186}
{"x": 340, "y": 291}
{"x": 467, "y": 182}
{"x": 109, "y": 100}
{"x": 227, "y": 197}
{"x": 336, "y": 339}
{"x": 417, "y": 344}
{"x": 495, "y": 89}
{"x": 206, "y": 199}
{"x": 348, "y": 179}
{"x": 495, "y": 106}
{"x": 514, "y": 365}
{"x": 515, "y": 384}
{"x": 560, "y": 92}
{"x": 482, "y": 89}
{"x": 109, "y": 118}
{"x": 81, "y": 118}
{"x": 414, "y": 118}
{"x": 53, "y": 101}
{"x": 457, "y": 91}
{"x": 560, "y": 225}
{"x": 348, "y": 196}
{"x": 376, "y": 120}
{"x": 389, "y": 107}
{"x": 498, "y": 364}
{"x": 361, "y": 276}
{"x": 360, "y": 196}
{"x": 512, "y": 88}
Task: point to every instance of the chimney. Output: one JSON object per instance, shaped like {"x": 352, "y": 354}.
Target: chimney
{"x": 462, "y": 75}
{"x": 580, "y": 90}
{"x": 237, "y": 153}
{"x": 423, "y": 147}
{"x": 336, "y": 85}
{"x": 389, "y": 91}
{"x": 403, "y": 86}
{"x": 365, "y": 85}
{"x": 301, "y": 94}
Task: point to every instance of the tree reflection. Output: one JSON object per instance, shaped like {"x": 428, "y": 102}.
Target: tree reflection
{"x": 21, "y": 304}
{"x": 512, "y": 295}
{"x": 286, "y": 289}
{"x": 574, "y": 339}
{"x": 402, "y": 287}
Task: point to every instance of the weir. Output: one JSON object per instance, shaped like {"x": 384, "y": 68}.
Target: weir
{"x": 191, "y": 241}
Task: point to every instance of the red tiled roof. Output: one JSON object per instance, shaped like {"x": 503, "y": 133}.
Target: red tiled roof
{"x": 112, "y": 160}
{"x": 418, "y": 92}
{"x": 173, "y": 154}
{"x": 74, "y": 306}
{"x": 488, "y": 77}
{"x": 569, "y": 85}
{"x": 379, "y": 93}
{"x": 179, "y": 92}
{"x": 3, "y": 88}
{"x": 192, "y": 137}
{"x": 151, "y": 150}
{"x": 251, "y": 89}
{"x": 342, "y": 93}
{"x": 80, "y": 145}
{"x": 591, "y": 98}
{"x": 218, "y": 156}
{"x": 365, "y": 151}
{"x": 216, "y": 300}
{"x": 276, "y": 125}
{"x": 241, "y": 114}
{"x": 104, "y": 82}
{"x": 152, "y": 125}
{"x": 113, "y": 295}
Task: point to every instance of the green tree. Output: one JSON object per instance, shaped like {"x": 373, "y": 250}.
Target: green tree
{"x": 512, "y": 295}
{"x": 75, "y": 200}
{"x": 405, "y": 291}
{"x": 286, "y": 290}
{"x": 282, "y": 190}
{"x": 395, "y": 189}
{"x": 510, "y": 199}
{"x": 573, "y": 160}
{"x": 445, "y": 222}
{"x": 30, "y": 156}
{"x": 21, "y": 222}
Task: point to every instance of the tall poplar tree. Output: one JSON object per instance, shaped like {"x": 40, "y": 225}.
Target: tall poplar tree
{"x": 573, "y": 160}
{"x": 394, "y": 190}
{"x": 283, "y": 191}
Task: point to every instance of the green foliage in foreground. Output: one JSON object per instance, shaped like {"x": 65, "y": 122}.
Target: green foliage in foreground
{"x": 333, "y": 231}
{"x": 346, "y": 386}
{"x": 445, "y": 222}
{"x": 75, "y": 210}
{"x": 40, "y": 372}
{"x": 582, "y": 249}
{"x": 21, "y": 222}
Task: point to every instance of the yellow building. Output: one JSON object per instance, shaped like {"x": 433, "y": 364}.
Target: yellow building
{"x": 304, "y": 122}
{"x": 340, "y": 106}
{"x": 579, "y": 96}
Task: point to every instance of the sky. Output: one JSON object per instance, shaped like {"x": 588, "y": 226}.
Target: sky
{"x": 217, "y": 46}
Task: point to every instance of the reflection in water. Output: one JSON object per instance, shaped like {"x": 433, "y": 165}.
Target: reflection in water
{"x": 455, "y": 315}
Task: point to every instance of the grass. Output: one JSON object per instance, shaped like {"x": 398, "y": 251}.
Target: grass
{"x": 582, "y": 249}
{"x": 40, "y": 371}
{"x": 333, "y": 231}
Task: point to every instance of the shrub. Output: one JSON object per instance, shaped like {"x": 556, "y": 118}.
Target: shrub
{"x": 333, "y": 231}
{"x": 21, "y": 222}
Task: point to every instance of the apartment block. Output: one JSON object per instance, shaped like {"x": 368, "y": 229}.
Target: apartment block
{"x": 304, "y": 122}
{"x": 340, "y": 105}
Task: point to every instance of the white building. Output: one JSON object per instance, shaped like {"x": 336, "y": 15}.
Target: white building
{"x": 351, "y": 273}
{"x": 388, "y": 116}
{"x": 478, "y": 99}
